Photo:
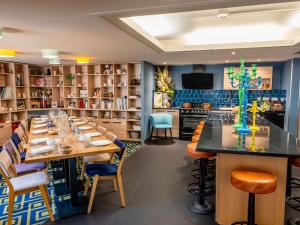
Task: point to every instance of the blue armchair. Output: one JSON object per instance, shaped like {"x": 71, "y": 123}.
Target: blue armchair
{"x": 161, "y": 121}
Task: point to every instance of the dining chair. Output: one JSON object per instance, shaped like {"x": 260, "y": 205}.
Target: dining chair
{"x": 16, "y": 140}
{"x": 19, "y": 167}
{"x": 97, "y": 158}
{"x": 161, "y": 121}
{"x": 21, "y": 134}
{"x": 23, "y": 184}
{"x": 105, "y": 172}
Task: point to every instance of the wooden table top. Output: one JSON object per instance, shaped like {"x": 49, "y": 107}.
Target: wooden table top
{"x": 78, "y": 148}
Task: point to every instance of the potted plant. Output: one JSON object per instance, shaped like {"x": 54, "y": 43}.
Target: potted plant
{"x": 71, "y": 78}
{"x": 164, "y": 84}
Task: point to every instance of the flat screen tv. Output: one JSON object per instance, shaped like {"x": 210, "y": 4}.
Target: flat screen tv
{"x": 197, "y": 81}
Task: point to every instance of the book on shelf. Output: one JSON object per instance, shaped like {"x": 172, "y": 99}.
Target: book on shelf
{"x": 6, "y": 93}
{"x": 122, "y": 103}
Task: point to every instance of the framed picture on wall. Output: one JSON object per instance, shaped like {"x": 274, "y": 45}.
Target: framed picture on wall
{"x": 157, "y": 99}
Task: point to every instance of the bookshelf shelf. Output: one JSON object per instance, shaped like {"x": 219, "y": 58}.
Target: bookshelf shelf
{"x": 105, "y": 87}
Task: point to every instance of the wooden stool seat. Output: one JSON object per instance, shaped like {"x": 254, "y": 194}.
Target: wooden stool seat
{"x": 198, "y": 131}
{"x": 195, "y": 138}
{"x": 191, "y": 149}
{"x": 200, "y": 126}
{"x": 296, "y": 162}
{"x": 253, "y": 181}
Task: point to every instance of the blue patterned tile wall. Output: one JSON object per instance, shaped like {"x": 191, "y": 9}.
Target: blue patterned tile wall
{"x": 219, "y": 98}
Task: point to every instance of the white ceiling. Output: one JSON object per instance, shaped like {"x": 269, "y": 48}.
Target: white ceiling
{"x": 76, "y": 28}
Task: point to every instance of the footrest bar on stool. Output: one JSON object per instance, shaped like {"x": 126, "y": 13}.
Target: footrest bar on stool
{"x": 294, "y": 202}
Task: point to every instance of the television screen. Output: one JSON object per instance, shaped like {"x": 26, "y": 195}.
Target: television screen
{"x": 197, "y": 81}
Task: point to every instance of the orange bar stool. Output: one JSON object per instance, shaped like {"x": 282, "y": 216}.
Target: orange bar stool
{"x": 253, "y": 182}
{"x": 294, "y": 202}
{"x": 198, "y": 131}
{"x": 195, "y": 138}
{"x": 200, "y": 205}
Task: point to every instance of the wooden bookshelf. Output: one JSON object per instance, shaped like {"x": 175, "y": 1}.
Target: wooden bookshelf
{"x": 108, "y": 94}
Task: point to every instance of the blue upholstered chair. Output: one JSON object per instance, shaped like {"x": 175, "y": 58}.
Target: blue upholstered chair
{"x": 106, "y": 171}
{"x": 161, "y": 121}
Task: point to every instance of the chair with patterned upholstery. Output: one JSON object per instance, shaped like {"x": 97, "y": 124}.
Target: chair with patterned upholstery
{"x": 105, "y": 172}
{"x": 23, "y": 184}
{"x": 19, "y": 167}
{"x": 161, "y": 121}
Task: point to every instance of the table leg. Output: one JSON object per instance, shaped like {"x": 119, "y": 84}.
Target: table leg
{"x": 289, "y": 178}
{"x": 78, "y": 203}
{"x": 72, "y": 180}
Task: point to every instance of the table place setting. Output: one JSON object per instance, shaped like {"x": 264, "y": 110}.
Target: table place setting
{"x": 79, "y": 123}
{"x": 85, "y": 128}
{"x": 39, "y": 131}
{"x": 97, "y": 143}
{"x": 37, "y": 141}
{"x": 40, "y": 150}
{"x": 40, "y": 125}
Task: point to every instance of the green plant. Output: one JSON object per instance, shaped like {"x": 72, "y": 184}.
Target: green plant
{"x": 164, "y": 82}
{"x": 70, "y": 76}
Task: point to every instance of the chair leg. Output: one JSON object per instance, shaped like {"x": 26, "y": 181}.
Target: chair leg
{"x": 83, "y": 171}
{"x": 94, "y": 187}
{"x": 86, "y": 186}
{"x": 46, "y": 198}
{"x": 165, "y": 133}
{"x": 121, "y": 190}
{"x": 115, "y": 184}
{"x": 171, "y": 134}
{"x": 151, "y": 133}
{"x": 10, "y": 208}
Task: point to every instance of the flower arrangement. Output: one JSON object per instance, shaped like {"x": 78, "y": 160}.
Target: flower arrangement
{"x": 164, "y": 82}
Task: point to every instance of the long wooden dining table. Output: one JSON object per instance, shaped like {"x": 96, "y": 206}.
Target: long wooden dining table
{"x": 78, "y": 203}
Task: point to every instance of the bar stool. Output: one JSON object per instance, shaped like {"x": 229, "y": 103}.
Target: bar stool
{"x": 253, "y": 182}
{"x": 294, "y": 202}
{"x": 195, "y": 138}
{"x": 200, "y": 206}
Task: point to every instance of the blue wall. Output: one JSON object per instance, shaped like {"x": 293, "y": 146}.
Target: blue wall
{"x": 218, "y": 71}
{"x": 147, "y": 81}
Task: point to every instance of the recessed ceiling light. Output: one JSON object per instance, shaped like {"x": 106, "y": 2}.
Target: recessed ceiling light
{"x": 82, "y": 60}
{"x": 233, "y": 53}
{"x": 1, "y": 32}
{"x": 50, "y": 53}
{"x": 258, "y": 60}
{"x": 227, "y": 61}
{"x": 7, "y": 53}
{"x": 165, "y": 63}
{"x": 54, "y": 61}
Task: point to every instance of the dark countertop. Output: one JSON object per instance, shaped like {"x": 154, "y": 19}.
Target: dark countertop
{"x": 270, "y": 140}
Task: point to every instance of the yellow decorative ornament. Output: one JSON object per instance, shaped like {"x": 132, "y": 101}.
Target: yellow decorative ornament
{"x": 254, "y": 109}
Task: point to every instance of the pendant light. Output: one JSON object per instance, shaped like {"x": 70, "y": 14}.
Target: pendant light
{"x": 50, "y": 53}
{"x": 82, "y": 60}
{"x": 54, "y": 61}
{"x": 7, "y": 53}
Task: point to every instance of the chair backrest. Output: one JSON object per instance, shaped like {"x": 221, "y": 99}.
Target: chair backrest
{"x": 24, "y": 125}
{"x": 110, "y": 136}
{"x": 161, "y": 118}
{"x": 20, "y": 132}
{"x": 6, "y": 165}
{"x": 121, "y": 153}
{"x": 102, "y": 130}
{"x": 12, "y": 151}
{"x": 16, "y": 140}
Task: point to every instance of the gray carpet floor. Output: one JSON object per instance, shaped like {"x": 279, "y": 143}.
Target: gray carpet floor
{"x": 155, "y": 180}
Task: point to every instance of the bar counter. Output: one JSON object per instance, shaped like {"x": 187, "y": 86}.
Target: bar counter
{"x": 267, "y": 149}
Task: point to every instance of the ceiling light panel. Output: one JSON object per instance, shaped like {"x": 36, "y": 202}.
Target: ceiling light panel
{"x": 266, "y": 25}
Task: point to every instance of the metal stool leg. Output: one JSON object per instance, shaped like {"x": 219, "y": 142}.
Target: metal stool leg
{"x": 201, "y": 206}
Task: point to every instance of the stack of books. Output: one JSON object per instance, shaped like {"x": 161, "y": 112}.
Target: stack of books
{"x": 6, "y": 93}
{"x": 122, "y": 103}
